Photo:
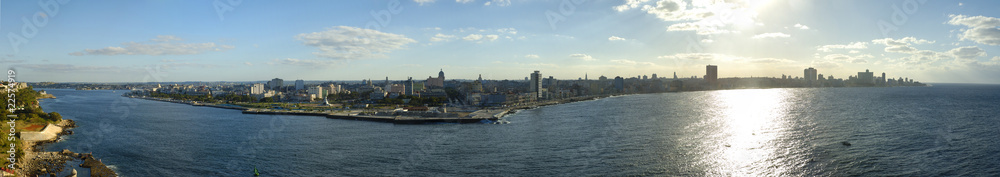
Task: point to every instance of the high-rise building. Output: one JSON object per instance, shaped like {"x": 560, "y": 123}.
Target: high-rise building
{"x": 866, "y": 78}
{"x": 257, "y": 88}
{"x": 675, "y": 75}
{"x": 409, "y": 86}
{"x": 619, "y": 84}
{"x": 654, "y": 76}
{"x": 317, "y": 91}
{"x": 276, "y": 84}
{"x": 300, "y": 84}
{"x": 711, "y": 74}
{"x": 536, "y": 84}
{"x": 810, "y": 74}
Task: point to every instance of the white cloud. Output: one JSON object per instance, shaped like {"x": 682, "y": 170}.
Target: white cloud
{"x": 847, "y": 58}
{"x": 771, "y": 35}
{"x": 531, "y": 56}
{"x": 901, "y": 45}
{"x": 837, "y": 57}
{"x": 248, "y": 63}
{"x": 500, "y": 3}
{"x": 968, "y": 52}
{"x": 421, "y": 2}
{"x": 441, "y": 37}
{"x": 165, "y": 38}
{"x": 629, "y": 4}
{"x": 306, "y": 63}
{"x": 704, "y": 16}
{"x": 511, "y": 31}
{"x": 769, "y": 60}
{"x": 76, "y": 69}
{"x": 492, "y": 37}
{"x": 630, "y": 62}
{"x": 900, "y": 49}
{"x": 697, "y": 56}
{"x": 583, "y": 57}
{"x": 982, "y": 29}
{"x": 464, "y": 1}
{"x": 161, "y": 45}
{"x": 800, "y": 26}
{"x": 473, "y": 37}
{"x": 901, "y": 42}
{"x": 853, "y": 45}
{"x": 480, "y": 38}
{"x": 616, "y": 38}
{"x": 825, "y": 64}
{"x": 344, "y": 42}
{"x": 699, "y": 27}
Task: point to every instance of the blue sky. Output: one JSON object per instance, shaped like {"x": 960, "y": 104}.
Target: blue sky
{"x": 149, "y": 41}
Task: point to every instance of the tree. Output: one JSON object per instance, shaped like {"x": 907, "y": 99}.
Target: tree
{"x": 54, "y": 116}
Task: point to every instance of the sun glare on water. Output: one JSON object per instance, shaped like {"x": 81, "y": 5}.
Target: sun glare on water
{"x": 749, "y": 122}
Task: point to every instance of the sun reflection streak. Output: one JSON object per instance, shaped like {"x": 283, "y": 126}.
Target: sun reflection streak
{"x": 749, "y": 124}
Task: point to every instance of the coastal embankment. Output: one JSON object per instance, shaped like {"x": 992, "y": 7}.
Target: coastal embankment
{"x": 43, "y": 163}
{"x": 389, "y": 116}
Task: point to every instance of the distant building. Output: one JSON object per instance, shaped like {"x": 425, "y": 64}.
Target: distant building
{"x": 675, "y": 75}
{"x": 712, "y": 75}
{"x": 409, "y": 86}
{"x": 866, "y": 78}
{"x": 654, "y": 76}
{"x": 300, "y": 84}
{"x": 316, "y": 92}
{"x": 536, "y": 84}
{"x": 436, "y": 82}
{"x": 810, "y": 74}
{"x": 619, "y": 84}
{"x": 257, "y": 88}
{"x": 275, "y": 84}
{"x": 333, "y": 89}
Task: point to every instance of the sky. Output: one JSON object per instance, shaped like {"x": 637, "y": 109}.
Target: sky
{"x": 233, "y": 40}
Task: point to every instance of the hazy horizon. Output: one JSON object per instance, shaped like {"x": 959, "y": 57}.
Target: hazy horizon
{"x": 208, "y": 41}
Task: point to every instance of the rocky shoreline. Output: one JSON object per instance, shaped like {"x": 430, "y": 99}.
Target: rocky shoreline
{"x": 37, "y": 162}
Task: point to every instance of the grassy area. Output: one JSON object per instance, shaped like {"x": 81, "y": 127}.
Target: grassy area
{"x": 30, "y": 117}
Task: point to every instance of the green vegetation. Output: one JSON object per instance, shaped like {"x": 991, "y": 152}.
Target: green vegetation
{"x": 28, "y": 115}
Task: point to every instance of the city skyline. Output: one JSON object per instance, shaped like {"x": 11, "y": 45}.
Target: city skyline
{"x": 163, "y": 41}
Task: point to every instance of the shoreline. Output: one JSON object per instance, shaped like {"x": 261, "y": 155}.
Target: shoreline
{"x": 474, "y": 117}
{"x": 38, "y": 162}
